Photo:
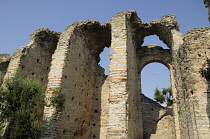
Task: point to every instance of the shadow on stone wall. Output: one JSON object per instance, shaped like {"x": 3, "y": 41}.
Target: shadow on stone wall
{"x": 208, "y": 107}
{"x": 4, "y": 63}
{"x": 206, "y": 74}
{"x": 153, "y": 112}
{"x": 208, "y": 103}
{"x": 97, "y": 105}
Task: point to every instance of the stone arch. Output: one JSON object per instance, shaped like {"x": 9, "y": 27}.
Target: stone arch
{"x": 162, "y": 27}
{"x": 146, "y": 55}
{"x": 167, "y": 29}
{"x": 76, "y": 71}
{"x": 128, "y": 33}
{"x": 153, "y": 53}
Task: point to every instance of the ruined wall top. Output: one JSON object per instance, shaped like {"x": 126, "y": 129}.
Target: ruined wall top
{"x": 4, "y": 62}
{"x": 44, "y": 34}
{"x": 87, "y": 30}
{"x": 44, "y": 38}
{"x": 161, "y": 27}
{"x": 4, "y": 58}
{"x": 207, "y": 4}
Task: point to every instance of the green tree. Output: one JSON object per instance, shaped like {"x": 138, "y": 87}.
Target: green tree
{"x": 20, "y": 99}
{"x": 164, "y": 96}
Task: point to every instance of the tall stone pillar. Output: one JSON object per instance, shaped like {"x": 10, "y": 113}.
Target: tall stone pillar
{"x": 122, "y": 91}
{"x": 194, "y": 58}
{"x": 118, "y": 118}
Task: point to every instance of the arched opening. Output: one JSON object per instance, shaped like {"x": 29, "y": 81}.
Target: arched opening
{"x": 105, "y": 60}
{"x": 154, "y": 75}
{"x": 154, "y": 39}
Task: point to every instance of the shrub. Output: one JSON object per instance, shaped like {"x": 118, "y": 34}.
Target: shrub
{"x": 19, "y": 100}
{"x": 58, "y": 99}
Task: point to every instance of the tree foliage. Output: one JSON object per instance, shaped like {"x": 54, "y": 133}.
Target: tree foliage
{"x": 164, "y": 96}
{"x": 19, "y": 100}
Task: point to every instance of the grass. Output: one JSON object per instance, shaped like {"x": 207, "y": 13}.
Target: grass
{"x": 4, "y": 54}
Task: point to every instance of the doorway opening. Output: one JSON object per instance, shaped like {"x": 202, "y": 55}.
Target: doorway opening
{"x": 154, "y": 75}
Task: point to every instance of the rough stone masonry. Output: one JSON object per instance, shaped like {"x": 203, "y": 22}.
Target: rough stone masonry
{"x": 112, "y": 107}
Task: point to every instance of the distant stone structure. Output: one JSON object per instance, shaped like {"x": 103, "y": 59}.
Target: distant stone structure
{"x": 207, "y": 4}
{"x": 111, "y": 107}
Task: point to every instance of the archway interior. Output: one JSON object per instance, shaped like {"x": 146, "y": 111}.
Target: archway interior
{"x": 154, "y": 39}
{"x": 154, "y": 75}
{"x": 105, "y": 60}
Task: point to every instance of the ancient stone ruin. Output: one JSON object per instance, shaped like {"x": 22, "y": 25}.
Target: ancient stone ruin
{"x": 4, "y": 62}
{"x": 111, "y": 107}
{"x": 207, "y": 4}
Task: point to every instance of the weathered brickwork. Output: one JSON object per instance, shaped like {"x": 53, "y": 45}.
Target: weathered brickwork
{"x": 165, "y": 128}
{"x": 35, "y": 58}
{"x": 167, "y": 30}
{"x": 81, "y": 79}
{"x": 112, "y": 107}
{"x": 101, "y": 109}
{"x": 154, "y": 119}
{"x": 153, "y": 53}
{"x": 193, "y": 91}
{"x": 118, "y": 98}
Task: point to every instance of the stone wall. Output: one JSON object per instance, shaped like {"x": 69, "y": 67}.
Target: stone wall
{"x": 4, "y": 63}
{"x": 133, "y": 83}
{"x": 101, "y": 109}
{"x": 165, "y": 129}
{"x": 166, "y": 29}
{"x": 118, "y": 97}
{"x": 153, "y": 53}
{"x": 125, "y": 119}
{"x": 193, "y": 88}
{"x": 75, "y": 70}
{"x": 35, "y": 58}
{"x": 157, "y": 120}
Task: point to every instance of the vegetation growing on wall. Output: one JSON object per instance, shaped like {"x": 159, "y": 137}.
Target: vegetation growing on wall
{"x": 58, "y": 99}
{"x": 20, "y": 99}
{"x": 2, "y": 55}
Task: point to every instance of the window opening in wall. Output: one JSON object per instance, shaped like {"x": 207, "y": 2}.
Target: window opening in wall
{"x": 154, "y": 75}
{"x": 154, "y": 39}
{"x": 105, "y": 59}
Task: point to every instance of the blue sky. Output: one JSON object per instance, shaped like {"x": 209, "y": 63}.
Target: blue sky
{"x": 20, "y": 18}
